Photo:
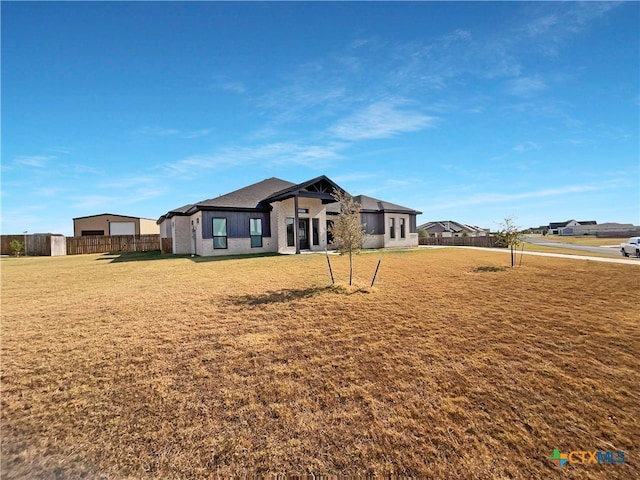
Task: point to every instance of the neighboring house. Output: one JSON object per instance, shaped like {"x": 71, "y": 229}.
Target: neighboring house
{"x": 449, "y": 228}
{"x": 623, "y": 229}
{"x": 279, "y": 216}
{"x": 109, "y": 224}
{"x": 556, "y": 227}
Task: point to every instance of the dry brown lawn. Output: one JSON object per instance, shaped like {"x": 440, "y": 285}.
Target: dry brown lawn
{"x": 143, "y": 366}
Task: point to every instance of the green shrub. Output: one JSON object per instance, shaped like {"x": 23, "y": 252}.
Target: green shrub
{"x": 16, "y": 247}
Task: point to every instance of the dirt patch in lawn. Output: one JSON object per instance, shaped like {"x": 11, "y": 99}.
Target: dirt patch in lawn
{"x": 170, "y": 368}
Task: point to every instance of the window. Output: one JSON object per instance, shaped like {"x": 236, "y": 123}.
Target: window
{"x": 290, "y": 239}
{"x": 219, "y": 233}
{"x": 316, "y": 231}
{"x": 255, "y": 227}
{"x": 329, "y": 234}
{"x": 392, "y": 228}
{"x": 303, "y": 210}
{"x": 402, "y": 231}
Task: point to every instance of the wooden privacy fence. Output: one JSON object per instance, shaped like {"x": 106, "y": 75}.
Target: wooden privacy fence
{"x": 166, "y": 245}
{"x": 114, "y": 243}
{"x": 459, "y": 241}
{"x": 37, "y": 244}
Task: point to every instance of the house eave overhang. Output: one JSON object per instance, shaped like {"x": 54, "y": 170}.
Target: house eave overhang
{"x": 391, "y": 210}
{"x": 301, "y": 190}
{"x": 325, "y": 197}
{"x": 210, "y": 208}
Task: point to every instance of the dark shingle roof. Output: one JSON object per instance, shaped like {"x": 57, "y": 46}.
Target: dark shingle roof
{"x": 260, "y": 194}
{"x": 370, "y": 204}
{"x": 248, "y": 197}
{"x": 373, "y": 204}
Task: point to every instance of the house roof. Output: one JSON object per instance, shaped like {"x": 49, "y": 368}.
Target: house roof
{"x": 320, "y": 187}
{"x": 564, "y": 224}
{"x": 373, "y": 205}
{"x": 370, "y": 204}
{"x": 261, "y": 194}
{"x": 248, "y": 197}
{"x": 560, "y": 224}
{"x": 449, "y": 226}
{"x": 112, "y": 215}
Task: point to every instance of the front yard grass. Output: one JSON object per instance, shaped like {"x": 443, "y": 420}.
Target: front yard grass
{"x": 171, "y": 368}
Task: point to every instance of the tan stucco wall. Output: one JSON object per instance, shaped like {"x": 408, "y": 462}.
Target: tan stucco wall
{"x": 237, "y": 246}
{"x": 149, "y": 227}
{"x": 411, "y": 239}
{"x": 285, "y": 209}
{"x": 373, "y": 241}
{"x": 165, "y": 228}
{"x": 101, "y": 222}
{"x": 181, "y": 235}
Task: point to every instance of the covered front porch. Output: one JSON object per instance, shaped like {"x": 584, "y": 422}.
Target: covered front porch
{"x": 301, "y": 215}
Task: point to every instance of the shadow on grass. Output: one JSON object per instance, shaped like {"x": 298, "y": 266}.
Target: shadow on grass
{"x": 280, "y": 296}
{"x": 119, "y": 257}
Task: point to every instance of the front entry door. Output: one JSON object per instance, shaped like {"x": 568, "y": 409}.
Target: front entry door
{"x": 303, "y": 233}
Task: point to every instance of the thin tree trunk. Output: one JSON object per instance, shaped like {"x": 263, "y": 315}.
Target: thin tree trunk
{"x": 350, "y": 265}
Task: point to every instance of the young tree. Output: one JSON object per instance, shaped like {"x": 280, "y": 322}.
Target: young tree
{"x": 511, "y": 236}
{"x": 16, "y": 247}
{"x": 348, "y": 233}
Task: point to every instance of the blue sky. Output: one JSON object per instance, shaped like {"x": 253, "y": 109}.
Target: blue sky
{"x": 465, "y": 111}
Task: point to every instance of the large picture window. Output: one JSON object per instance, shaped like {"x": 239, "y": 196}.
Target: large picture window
{"x": 402, "y": 229}
{"x": 255, "y": 228}
{"x": 290, "y": 239}
{"x": 219, "y": 233}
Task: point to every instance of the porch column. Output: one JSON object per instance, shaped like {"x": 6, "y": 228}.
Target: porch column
{"x": 295, "y": 223}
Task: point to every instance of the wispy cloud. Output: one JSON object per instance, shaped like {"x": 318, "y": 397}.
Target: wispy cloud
{"x": 551, "y": 30}
{"x": 540, "y": 25}
{"x": 95, "y": 202}
{"x": 507, "y": 198}
{"x": 37, "y": 161}
{"x": 203, "y": 132}
{"x": 312, "y": 155}
{"x": 526, "y": 147}
{"x": 526, "y": 86}
{"x": 353, "y": 177}
{"x": 234, "y": 87}
{"x": 157, "y": 131}
{"x": 172, "y": 132}
{"x": 382, "y": 119}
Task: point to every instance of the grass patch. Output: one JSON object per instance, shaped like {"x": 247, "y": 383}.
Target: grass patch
{"x": 489, "y": 268}
{"x": 257, "y": 366}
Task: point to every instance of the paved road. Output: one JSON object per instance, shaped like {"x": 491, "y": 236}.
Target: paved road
{"x": 583, "y": 248}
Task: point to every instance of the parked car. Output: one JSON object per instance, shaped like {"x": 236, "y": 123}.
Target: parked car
{"x": 632, "y": 247}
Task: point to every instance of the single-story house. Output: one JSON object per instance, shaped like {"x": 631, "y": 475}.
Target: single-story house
{"x": 109, "y": 224}
{"x": 449, "y": 228}
{"x": 623, "y": 229}
{"x": 555, "y": 227}
{"x": 275, "y": 215}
